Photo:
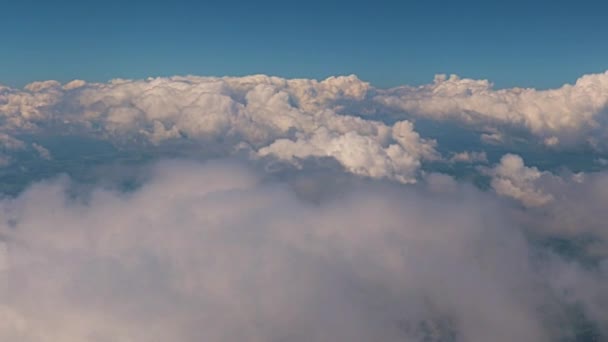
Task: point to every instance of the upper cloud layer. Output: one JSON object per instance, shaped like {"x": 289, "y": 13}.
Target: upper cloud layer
{"x": 566, "y": 115}
{"x": 296, "y": 119}
{"x": 269, "y": 116}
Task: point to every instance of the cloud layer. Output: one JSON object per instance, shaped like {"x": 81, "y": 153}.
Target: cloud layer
{"x": 342, "y": 117}
{"x": 572, "y": 114}
{"x": 209, "y": 252}
{"x": 285, "y": 119}
{"x": 347, "y": 213}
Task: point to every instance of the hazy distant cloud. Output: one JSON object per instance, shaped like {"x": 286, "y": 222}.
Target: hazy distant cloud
{"x": 469, "y": 157}
{"x": 10, "y": 143}
{"x": 42, "y": 151}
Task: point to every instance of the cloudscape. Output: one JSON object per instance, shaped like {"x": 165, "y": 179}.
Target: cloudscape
{"x": 302, "y": 205}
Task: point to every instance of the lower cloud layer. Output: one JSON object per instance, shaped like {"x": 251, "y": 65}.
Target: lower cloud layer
{"x": 211, "y": 253}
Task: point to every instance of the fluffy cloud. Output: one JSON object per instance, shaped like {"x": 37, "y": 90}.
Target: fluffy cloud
{"x": 363, "y": 155}
{"x": 513, "y": 179}
{"x": 272, "y": 116}
{"x": 290, "y": 119}
{"x": 212, "y": 253}
{"x": 568, "y": 205}
{"x": 565, "y": 115}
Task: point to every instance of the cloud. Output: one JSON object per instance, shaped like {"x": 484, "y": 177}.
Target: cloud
{"x": 567, "y": 205}
{"x": 346, "y": 229}
{"x": 9, "y": 143}
{"x": 362, "y": 155}
{"x": 291, "y": 119}
{"x": 469, "y": 157}
{"x": 42, "y": 151}
{"x": 268, "y": 114}
{"x": 213, "y": 252}
{"x": 511, "y": 178}
{"x": 569, "y": 115}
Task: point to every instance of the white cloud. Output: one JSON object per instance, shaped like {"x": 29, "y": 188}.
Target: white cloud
{"x": 211, "y": 253}
{"x": 262, "y": 112}
{"x": 566, "y": 115}
{"x": 300, "y": 118}
{"x": 513, "y": 179}
{"x": 362, "y": 155}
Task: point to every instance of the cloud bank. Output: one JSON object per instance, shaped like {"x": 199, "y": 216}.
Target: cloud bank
{"x": 210, "y": 252}
{"x": 341, "y": 117}
{"x": 570, "y": 115}
{"x": 285, "y": 119}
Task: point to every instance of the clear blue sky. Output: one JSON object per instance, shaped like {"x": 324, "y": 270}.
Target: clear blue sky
{"x": 525, "y": 43}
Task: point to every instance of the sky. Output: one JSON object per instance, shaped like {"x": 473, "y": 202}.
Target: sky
{"x": 539, "y": 44}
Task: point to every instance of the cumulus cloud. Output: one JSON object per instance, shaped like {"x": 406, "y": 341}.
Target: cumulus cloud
{"x": 362, "y": 155}
{"x": 273, "y": 116}
{"x": 571, "y": 114}
{"x": 513, "y": 179}
{"x": 569, "y": 205}
{"x": 213, "y": 253}
{"x": 302, "y": 118}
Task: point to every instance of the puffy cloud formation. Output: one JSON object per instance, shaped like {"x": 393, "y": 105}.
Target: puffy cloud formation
{"x": 568, "y": 205}
{"x": 292, "y": 119}
{"x": 209, "y": 252}
{"x": 363, "y": 155}
{"x": 273, "y": 116}
{"x": 567, "y": 115}
{"x": 513, "y": 179}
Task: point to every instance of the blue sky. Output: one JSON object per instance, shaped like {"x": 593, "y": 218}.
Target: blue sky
{"x": 512, "y": 43}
